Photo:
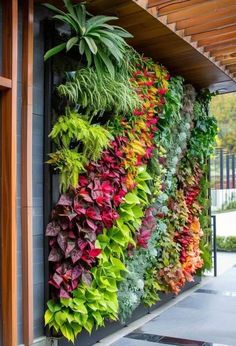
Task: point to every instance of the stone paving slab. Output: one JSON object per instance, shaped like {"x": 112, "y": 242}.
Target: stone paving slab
{"x": 208, "y": 315}
{"x": 134, "y": 342}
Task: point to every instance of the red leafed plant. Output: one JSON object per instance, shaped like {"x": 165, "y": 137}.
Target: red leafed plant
{"x": 79, "y": 216}
{"x": 148, "y": 226}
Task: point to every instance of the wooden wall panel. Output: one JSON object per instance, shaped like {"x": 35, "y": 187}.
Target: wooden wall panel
{"x": 8, "y": 176}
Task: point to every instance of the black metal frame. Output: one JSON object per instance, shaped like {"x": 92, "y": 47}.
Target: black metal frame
{"x": 214, "y": 245}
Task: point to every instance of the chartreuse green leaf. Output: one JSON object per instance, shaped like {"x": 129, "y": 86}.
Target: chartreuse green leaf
{"x": 53, "y": 307}
{"x": 48, "y": 317}
{"x": 68, "y": 332}
{"x": 131, "y": 198}
{"x": 76, "y": 328}
{"x": 66, "y": 301}
{"x": 61, "y": 317}
{"x": 89, "y": 325}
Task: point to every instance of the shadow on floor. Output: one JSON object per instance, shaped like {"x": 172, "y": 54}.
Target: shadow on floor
{"x": 205, "y": 318}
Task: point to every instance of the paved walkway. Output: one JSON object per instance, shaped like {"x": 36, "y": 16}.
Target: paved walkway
{"x": 205, "y": 318}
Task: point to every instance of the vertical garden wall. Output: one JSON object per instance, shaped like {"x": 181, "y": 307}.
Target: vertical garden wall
{"x": 131, "y": 149}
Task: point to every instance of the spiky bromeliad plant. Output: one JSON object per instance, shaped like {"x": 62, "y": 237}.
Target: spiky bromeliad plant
{"x": 102, "y": 44}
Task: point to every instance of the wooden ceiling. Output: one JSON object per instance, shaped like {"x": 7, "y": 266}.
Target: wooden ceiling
{"x": 211, "y": 24}
{"x": 192, "y": 38}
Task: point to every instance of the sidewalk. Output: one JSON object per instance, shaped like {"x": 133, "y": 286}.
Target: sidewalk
{"x": 204, "y": 318}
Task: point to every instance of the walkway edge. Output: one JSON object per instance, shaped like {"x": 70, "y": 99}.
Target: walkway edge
{"x": 141, "y": 321}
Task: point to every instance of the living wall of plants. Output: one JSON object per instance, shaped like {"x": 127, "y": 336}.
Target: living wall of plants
{"x": 131, "y": 151}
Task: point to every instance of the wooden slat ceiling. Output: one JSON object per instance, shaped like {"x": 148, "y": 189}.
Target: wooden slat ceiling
{"x": 210, "y": 24}
{"x": 192, "y": 38}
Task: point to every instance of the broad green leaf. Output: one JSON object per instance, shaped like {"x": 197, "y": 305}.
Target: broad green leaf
{"x": 97, "y": 21}
{"x": 131, "y": 198}
{"x": 53, "y": 8}
{"x": 91, "y": 44}
{"x": 118, "y": 264}
{"x": 98, "y": 318}
{"x": 144, "y": 175}
{"x": 143, "y": 186}
{"x": 67, "y": 331}
{"x": 71, "y": 42}
{"x": 67, "y": 20}
{"x": 54, "y": 51}
{"x": 81, "y": 47}
{"x": 79, "y": 306}
{"x": 61, "y": 317}
{"x": 76, "y": 328}
{"x": 89, "y": 325}
{"x": 137, "y": 211}
{"x": 48, "y": 316}
{"x": 107, "y": 62}
{"x": 66, "y": 301}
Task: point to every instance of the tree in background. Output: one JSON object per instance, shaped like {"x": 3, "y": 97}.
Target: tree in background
{"x": 224, "y": 109}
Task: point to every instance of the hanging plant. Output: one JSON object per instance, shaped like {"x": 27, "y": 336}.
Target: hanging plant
{"x": 98, "y": 93}
{"x": 102, "y": 44}
{"x": 78, "y": 142}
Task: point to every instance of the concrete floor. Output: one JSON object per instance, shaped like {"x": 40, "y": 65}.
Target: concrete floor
{"x": 204, "y": 318}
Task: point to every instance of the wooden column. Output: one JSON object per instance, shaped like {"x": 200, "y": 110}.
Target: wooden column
{"x": 26, "y": 172}
{"x": 8, "y": 175}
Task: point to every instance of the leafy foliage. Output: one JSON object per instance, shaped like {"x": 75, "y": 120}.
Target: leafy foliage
{"x": 101, "y": 43}
{"x": 223, "y": 107}
{"x": 69, "y": 164}
{"x": 98, "y": 93}
{"x": 131, "y": 226}
{"x": 226, "y": 243}
{"x": 78, "y": 142}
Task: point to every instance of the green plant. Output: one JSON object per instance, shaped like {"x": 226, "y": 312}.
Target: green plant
{"x": 78, "y": 142}
{"x": 69, "y": 164}
{"x": 90, "y": 305}
{"x": 151, "y": 287}
{"x": 71, "y": 129}
{"x": 228, "y": 205}
{"x": 97, "y": 93}
{"x": 101, "y": 43}
{"x": 226, "y": 243}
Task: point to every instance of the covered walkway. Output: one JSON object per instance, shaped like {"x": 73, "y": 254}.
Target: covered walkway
{"x": 204, "y": 318}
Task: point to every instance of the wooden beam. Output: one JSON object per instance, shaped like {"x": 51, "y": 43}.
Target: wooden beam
{"x": 207, "y": 26}
{"x": 26, "y": 172}
{"x": 229, "y": 29}
{"x": 221, "y": 13}
{"x": 171, "y": 5}
{"x": 198, "y": 9}
{"x": 176, "y": 6}
{"x": 5, "y": 83}
{"x": 220, "y": 45}
{"x": 232, "y": 68}
{"x": 222, "y": 38}
{"x": 223, "y": 51}
{"x": 229, "y": 61}
{"x": 8, "y": 176}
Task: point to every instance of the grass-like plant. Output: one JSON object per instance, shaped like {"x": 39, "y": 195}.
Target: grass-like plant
{"x": 95, "y": 92}
{"x": 102, "y": 44}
